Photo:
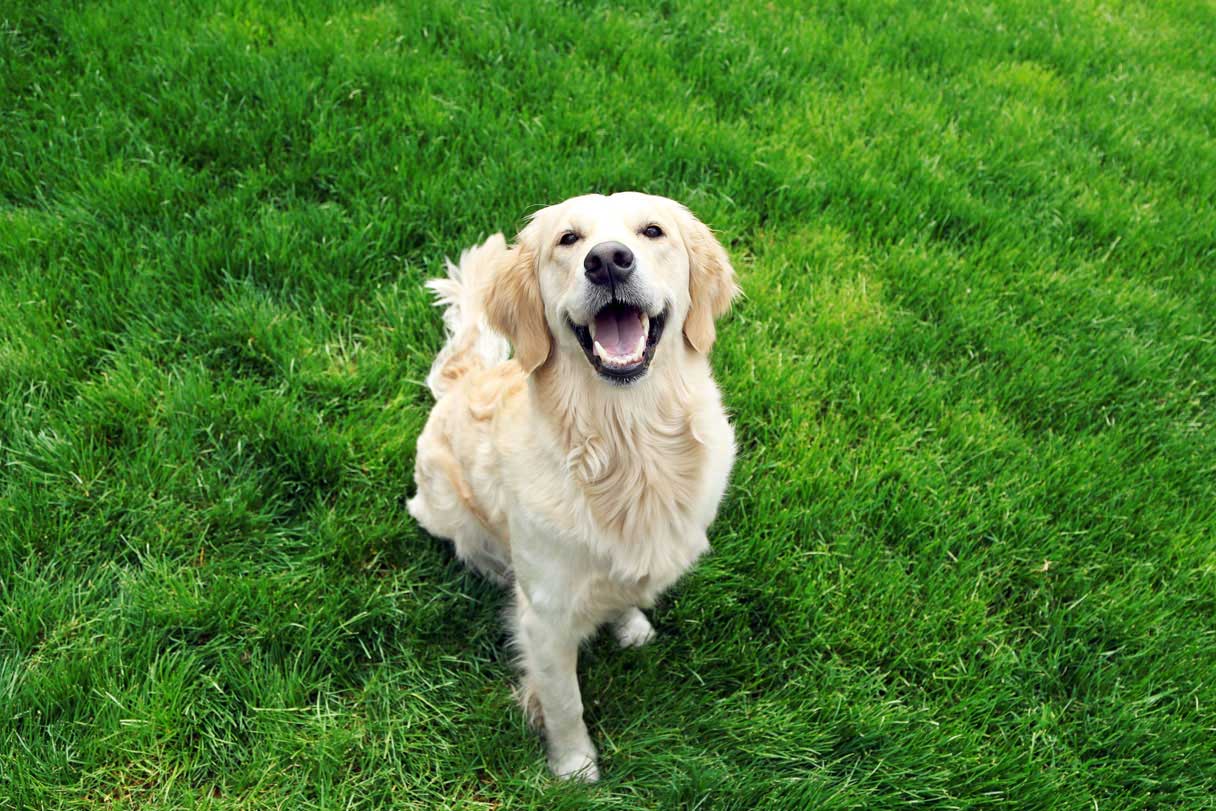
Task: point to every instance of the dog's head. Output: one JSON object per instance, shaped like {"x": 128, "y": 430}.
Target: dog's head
{"x": 615, "y": 279}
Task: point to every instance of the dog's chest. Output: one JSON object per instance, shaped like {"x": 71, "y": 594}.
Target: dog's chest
{"x": 625, "y": 497}
{"x": 639, "y": 480}
{"x": 643, "y": 497}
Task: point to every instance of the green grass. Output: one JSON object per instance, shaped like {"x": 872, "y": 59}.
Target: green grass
{"x": 968, "y": 559}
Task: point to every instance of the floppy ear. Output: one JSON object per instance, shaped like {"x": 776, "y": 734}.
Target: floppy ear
{"x": 514, "y": 307}
{"x": 711, "y": 282}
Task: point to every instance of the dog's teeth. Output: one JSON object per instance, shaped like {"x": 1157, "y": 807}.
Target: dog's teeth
{"x": 600, "y": 351}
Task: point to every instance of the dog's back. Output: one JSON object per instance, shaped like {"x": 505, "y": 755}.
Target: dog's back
{"x": 468, "y": 376}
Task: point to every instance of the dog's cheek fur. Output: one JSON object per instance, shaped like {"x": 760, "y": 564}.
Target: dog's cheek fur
{"x": 711, "y": 282}
{"x": 514, "y": 308}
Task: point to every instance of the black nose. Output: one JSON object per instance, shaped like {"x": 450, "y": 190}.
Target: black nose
{"x": 608, "y": 263}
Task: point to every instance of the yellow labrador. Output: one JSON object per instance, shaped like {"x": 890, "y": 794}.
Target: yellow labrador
{"x": 586, "y": 469}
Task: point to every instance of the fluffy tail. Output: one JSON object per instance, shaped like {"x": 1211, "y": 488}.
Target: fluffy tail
{"x": 471, "y": 343}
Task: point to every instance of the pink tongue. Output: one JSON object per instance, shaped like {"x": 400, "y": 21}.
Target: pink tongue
{"x": 618, "y": 330}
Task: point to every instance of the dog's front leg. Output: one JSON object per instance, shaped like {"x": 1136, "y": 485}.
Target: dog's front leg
{"x": 549, "y": 642}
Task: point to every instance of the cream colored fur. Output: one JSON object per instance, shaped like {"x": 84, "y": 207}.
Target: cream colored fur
{"x": 588, "y": 497}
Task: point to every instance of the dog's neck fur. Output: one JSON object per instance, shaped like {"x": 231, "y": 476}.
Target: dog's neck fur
{"x": 634, "y": 451}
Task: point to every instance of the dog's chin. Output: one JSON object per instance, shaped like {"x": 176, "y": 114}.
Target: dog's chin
{"x": 620, "y": 341}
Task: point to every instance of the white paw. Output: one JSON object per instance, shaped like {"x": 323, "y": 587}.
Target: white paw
{"x": 633, "y": 630}
{"x": 575, "y": 766}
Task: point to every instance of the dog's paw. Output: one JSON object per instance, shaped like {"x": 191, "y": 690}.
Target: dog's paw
{"x": 575, "y": 766}
{"x": 633, "y": 630}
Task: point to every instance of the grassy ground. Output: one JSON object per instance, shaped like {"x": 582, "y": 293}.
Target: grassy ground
{"x": 968, "y": 560}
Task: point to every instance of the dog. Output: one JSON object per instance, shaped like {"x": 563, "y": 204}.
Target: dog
{"x": 583, "y": 471}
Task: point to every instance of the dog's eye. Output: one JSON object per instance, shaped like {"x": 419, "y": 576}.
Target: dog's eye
{"x": 652, "y": 231}
{"x": 568, "y": 238}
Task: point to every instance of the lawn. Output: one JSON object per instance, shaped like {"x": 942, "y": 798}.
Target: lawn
{"x": 968, "y": 558}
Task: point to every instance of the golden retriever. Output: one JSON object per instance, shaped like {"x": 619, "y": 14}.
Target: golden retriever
{"x": 585, "y": 470}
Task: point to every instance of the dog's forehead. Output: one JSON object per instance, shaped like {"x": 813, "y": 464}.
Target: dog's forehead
{"x": 623, "y": 209}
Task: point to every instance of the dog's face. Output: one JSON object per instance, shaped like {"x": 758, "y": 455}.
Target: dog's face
{"x": 613, "y": 279}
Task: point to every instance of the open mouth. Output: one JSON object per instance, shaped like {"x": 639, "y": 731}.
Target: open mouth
{"x": 620, "y": 341}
